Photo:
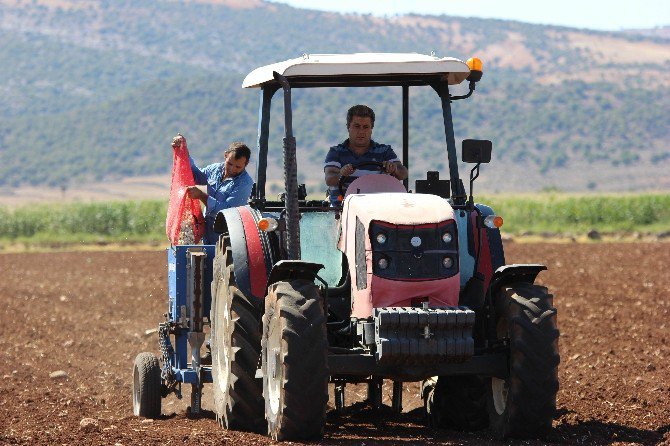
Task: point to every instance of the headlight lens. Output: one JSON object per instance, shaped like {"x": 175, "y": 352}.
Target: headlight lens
{"x": 447, "y": 262}
{"x": 381, "y": 239}
{"x": 446, "y": 237}
{"x": 383, "y": 263}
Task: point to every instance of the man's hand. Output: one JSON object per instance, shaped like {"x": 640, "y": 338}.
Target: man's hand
{"x": 347, "y": 170}
{"x": 333, "y": 174}
{"x": 195, "y": 193}
{"x": 390, "y": 167}
{"x": 178, "y": 141}
{"x": 395, "y": 169}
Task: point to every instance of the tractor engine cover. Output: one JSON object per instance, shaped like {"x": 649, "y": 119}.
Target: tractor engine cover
{"x": 402, "y": 250}
{"x": 417, "y": 336}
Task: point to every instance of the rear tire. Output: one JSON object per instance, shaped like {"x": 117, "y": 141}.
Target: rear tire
{"x": 236, "y": 346}
{"x": 295, "y": 367}
{"x": 456, "y": 402}
{"x": 147, "y": 386}
{"x": 524, "y": 404}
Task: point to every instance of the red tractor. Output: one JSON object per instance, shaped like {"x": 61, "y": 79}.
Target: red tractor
{"x": 396, "y": 285}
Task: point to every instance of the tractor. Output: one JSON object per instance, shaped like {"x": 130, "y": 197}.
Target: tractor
{"x": 387, "y": 284}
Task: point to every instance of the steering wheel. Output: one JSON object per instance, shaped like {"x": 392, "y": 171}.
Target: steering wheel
{"x": 378, "y": 165}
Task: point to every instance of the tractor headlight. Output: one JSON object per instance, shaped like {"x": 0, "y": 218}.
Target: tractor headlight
{"x": 447, "y": 262}
{"x": 381, "y": 239}
{"x": 383, "y": 263}
{"x": 447, "y": 237}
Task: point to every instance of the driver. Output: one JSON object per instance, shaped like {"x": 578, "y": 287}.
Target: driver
{"x": 357, "y": 149}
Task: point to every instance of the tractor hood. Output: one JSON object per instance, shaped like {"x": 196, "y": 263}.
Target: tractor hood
{"x": 394, "y": 208}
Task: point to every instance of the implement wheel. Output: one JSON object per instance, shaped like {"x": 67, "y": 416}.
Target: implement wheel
{"x": 524, "y": 404}
{"x": 147, "y": 386}
{"x": 236, "y": 346}
{"x": 295, "y": 368}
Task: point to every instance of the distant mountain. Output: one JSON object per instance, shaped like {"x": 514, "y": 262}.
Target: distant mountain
{"x": 96, "y": 89}
{"x": 661, "y": 32}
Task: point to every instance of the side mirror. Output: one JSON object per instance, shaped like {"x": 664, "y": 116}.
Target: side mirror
{"x": 477, "y": 151}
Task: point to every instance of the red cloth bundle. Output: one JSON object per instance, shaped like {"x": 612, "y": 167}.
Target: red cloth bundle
{"x": 185, "y": 224}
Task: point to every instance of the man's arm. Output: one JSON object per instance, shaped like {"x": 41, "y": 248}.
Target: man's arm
{"x": 332, "y": 175}
{"x": 198, "y": 175}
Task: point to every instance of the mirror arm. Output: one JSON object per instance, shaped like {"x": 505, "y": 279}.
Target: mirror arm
{"x": 465, "y": 96}
{"x": 474, "y": 173}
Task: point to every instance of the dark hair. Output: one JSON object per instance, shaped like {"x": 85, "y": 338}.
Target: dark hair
{"x": 240, "y": 150}
{"x": 362, "y": 111}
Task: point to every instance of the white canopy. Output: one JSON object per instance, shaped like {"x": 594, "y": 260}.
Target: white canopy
{"x": 360, "y": 64}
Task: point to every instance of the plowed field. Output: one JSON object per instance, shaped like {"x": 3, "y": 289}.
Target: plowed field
{"x": 85, "y": 315}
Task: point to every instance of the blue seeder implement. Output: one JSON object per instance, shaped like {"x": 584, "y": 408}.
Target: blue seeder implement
{"x": 190, "y": 269}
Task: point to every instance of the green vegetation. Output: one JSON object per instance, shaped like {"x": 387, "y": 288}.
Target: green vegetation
{"x": 144, "y": 221}
{"x": 578, "y": 214}
{"x": 133, "y": 221}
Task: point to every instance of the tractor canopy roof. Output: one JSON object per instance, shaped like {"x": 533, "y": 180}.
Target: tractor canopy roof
{"x": 363, "y": 69}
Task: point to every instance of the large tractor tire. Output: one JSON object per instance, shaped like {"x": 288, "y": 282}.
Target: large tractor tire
{"x": 456, "y": 402}
{"x": 147, "y": 386}
{"x": 295, "y": 361}
{"x": 236, "y": 347}
{"x": 524, "y": 404}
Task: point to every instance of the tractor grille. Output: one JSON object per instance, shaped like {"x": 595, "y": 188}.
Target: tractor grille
{"x": 414, "y": 252}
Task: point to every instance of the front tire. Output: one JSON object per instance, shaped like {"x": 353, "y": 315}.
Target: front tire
{"x": 295, "y": 367}
{"x": 524, "y": 404}
{"x": 236, "y": 345}
{"x": 146, "y": 386}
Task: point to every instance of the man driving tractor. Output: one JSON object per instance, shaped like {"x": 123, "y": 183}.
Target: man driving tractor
{"x": 359, "y": 150}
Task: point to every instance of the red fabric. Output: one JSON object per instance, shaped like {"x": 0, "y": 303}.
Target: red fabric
{"x": 181, "y": 205}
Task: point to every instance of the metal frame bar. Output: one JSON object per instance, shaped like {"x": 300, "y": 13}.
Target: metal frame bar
{"x": 356, "y": 365}
{"x": 405, "y": 132}
{"x": 457, "y": 189}
{"x": 379, "y": 80}
{"x": 263, "y": 137}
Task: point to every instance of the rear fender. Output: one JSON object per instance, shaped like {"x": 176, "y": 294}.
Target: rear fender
{"x": 287, "y": 270}
{"x": 504, "y": 276}
{"x": 252, "y": 251}
{"x": 507, "y": 274}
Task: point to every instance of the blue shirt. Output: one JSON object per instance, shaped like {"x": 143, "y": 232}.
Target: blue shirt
{"x": 221, "y": 193}
{"x": 341, "y": 155}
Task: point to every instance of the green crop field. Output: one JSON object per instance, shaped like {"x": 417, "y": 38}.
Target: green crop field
{"x": 144, "y": 221}
{"x": 560, "y": 213}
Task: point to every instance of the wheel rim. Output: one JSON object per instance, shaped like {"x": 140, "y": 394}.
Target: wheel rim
{"x": 499, "y": 387}
{"x": 274, "y": 366}
{"x": 499, "y": 392}
{"x": 223, "y": 359}
{"x": 136, "y": 391}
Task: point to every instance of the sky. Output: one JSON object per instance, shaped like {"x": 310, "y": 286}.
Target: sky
{"x": 612, "y": 15}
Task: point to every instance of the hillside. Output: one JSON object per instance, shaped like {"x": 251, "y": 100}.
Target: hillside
{"x": 96, "y": 89}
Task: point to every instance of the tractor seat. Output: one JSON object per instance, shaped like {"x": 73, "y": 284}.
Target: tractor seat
{"x": 373, "y": 184}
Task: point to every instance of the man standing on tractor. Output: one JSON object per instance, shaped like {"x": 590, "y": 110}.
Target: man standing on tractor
{"x": 228, "y": 183}
{"x": 359, "y": 149}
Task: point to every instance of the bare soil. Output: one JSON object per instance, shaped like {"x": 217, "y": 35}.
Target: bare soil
{"x": 87, "y": 314}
